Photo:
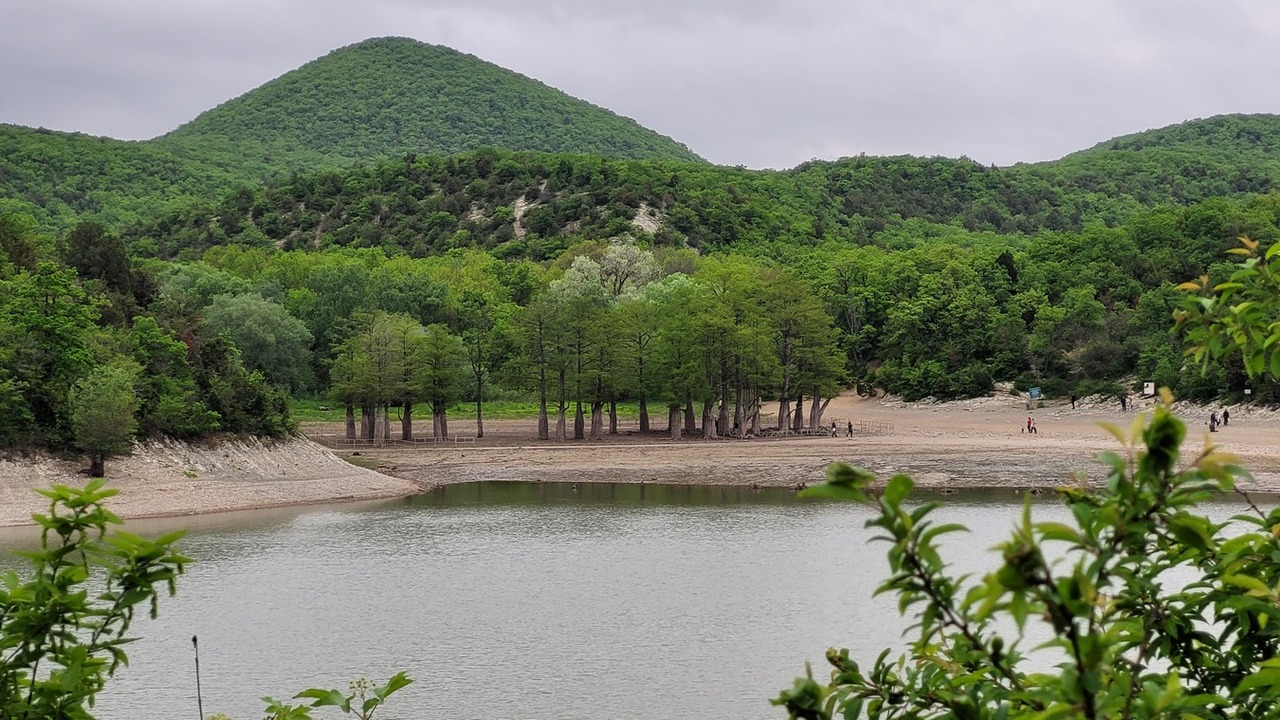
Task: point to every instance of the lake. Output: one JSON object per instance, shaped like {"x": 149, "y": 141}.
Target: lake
{"x": 517, "y": 600}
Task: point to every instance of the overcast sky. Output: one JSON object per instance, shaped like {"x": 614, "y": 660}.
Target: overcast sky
{"x": 741, "y": 82}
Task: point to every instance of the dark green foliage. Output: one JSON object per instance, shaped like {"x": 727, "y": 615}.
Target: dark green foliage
{"x": 50, "y": 342}
{"x": 533, "y": 205}
{"x": 244, "y": 401}
{"x": 166, "y": 386}
{"x": 391, "y": 96}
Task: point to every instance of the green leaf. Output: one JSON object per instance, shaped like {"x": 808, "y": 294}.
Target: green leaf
{"x": 1246, "y": 582}
{"x": 1058, "y": 531}
{"x": 326, "y": 698}
{"x": 1191, "y": 531}
{"x": 829, "y": 491}
{"x": 848, "y": 476}
{"x": 943, "y": 529}
{"x": 897, "y": 490}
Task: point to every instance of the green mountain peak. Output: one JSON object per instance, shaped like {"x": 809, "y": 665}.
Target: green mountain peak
{"x": 390, "y": 96}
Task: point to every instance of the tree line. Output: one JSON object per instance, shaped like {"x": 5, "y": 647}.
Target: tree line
{"x": 713, "y": 338}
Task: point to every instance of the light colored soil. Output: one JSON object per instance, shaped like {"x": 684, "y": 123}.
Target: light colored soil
{"x": 166, "y": 478}
{"x": 974, "y": 443}
{"x": 968, "y": 444}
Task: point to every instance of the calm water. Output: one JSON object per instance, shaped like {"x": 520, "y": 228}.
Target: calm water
{"x": 530, "y": 601}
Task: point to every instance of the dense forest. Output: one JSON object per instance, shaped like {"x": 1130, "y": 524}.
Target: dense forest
{"x": 195, "y": 284}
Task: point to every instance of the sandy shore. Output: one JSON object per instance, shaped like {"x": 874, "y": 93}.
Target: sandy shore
{"x": 166, "y": 479}
{"x": 967, "y": 444}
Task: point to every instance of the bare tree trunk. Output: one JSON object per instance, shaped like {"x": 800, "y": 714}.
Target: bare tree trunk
{"x": 443, "y": 421}
{"x": 597, "y": 419}
{"x": 579, "y": 423}
{"x": 351, "y": 421}
{"x": 815, "y": 411}
{"x": 673, "y": 421}
{"x": 561, "y": 407}
{"x": 644, "y": 414}
{"x": 690, "y": 424}
{"x": 479, "y": 375}
{"x": 406, "y": 421}
{"x": 613, "y": 416}
{"x": 97, "y": 465}
{"x": 722, "y": 426}
{"x": 386, "y": 422}
{"x": 366, "y": 422}
{"x": 543, "y": 432}
{"x": 784, "y": 413}
{"x": 755, "y": 415}
{"x": 739, "y": 417}
{"x": 709, "y": 421}
{"x": 797, "y": 418}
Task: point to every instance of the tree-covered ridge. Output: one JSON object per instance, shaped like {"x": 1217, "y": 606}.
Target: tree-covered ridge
{"x": 522, "y": 204}
{"x": 389, "y": 96}
{"x": 60, "y": 178}
{"x": 1257, "y": 135}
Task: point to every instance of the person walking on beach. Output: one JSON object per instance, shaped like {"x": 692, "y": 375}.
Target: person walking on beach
{"x": 1073, "y": 401}
{"x": 1124, "y": 403}
{"x": 1213, "y": 421}
{"x": 1226, "y": 417}
{"x": 849, "y": 430}
{"x": 1031, "y": 425}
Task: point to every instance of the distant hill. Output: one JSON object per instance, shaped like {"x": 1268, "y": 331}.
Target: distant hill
{"x": 390, "y": 96}
{"x": 1223, "y": 134}
{"x": 1185, "y": 163}
{"x": 382, "y": 98}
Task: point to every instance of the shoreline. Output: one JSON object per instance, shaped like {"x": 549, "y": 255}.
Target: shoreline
{"x": 971, "y": 444}
{"x": 168, "y": 479}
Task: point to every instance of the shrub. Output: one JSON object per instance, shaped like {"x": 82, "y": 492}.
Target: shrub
{"x": 61, "y": 642}
{"x": 1135, "y": 645}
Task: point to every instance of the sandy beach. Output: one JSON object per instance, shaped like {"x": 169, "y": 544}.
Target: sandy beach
{"x": 979, "y": 443}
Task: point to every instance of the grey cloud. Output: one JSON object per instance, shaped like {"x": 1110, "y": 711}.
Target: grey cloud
{"x": 758, "y": 83}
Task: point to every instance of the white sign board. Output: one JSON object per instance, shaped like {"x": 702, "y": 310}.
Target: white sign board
{"x": 1148, "y": 388}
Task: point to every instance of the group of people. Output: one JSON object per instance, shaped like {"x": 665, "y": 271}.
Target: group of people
{"x": 1215, "y": 421}
{"x": 1031, "y": 426}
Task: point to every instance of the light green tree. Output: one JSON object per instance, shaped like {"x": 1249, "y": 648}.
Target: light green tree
{"x": 271, "y": 341}
{"x": 103, "y": 408}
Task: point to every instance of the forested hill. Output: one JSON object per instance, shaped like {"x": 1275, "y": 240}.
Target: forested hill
{"x": 1239, "y": 135}
{"x": 383, "y": 98}
{"x": 388, "y": 96}
{"x": 533, "y": 205}
{"x": 1184, "y": 163}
